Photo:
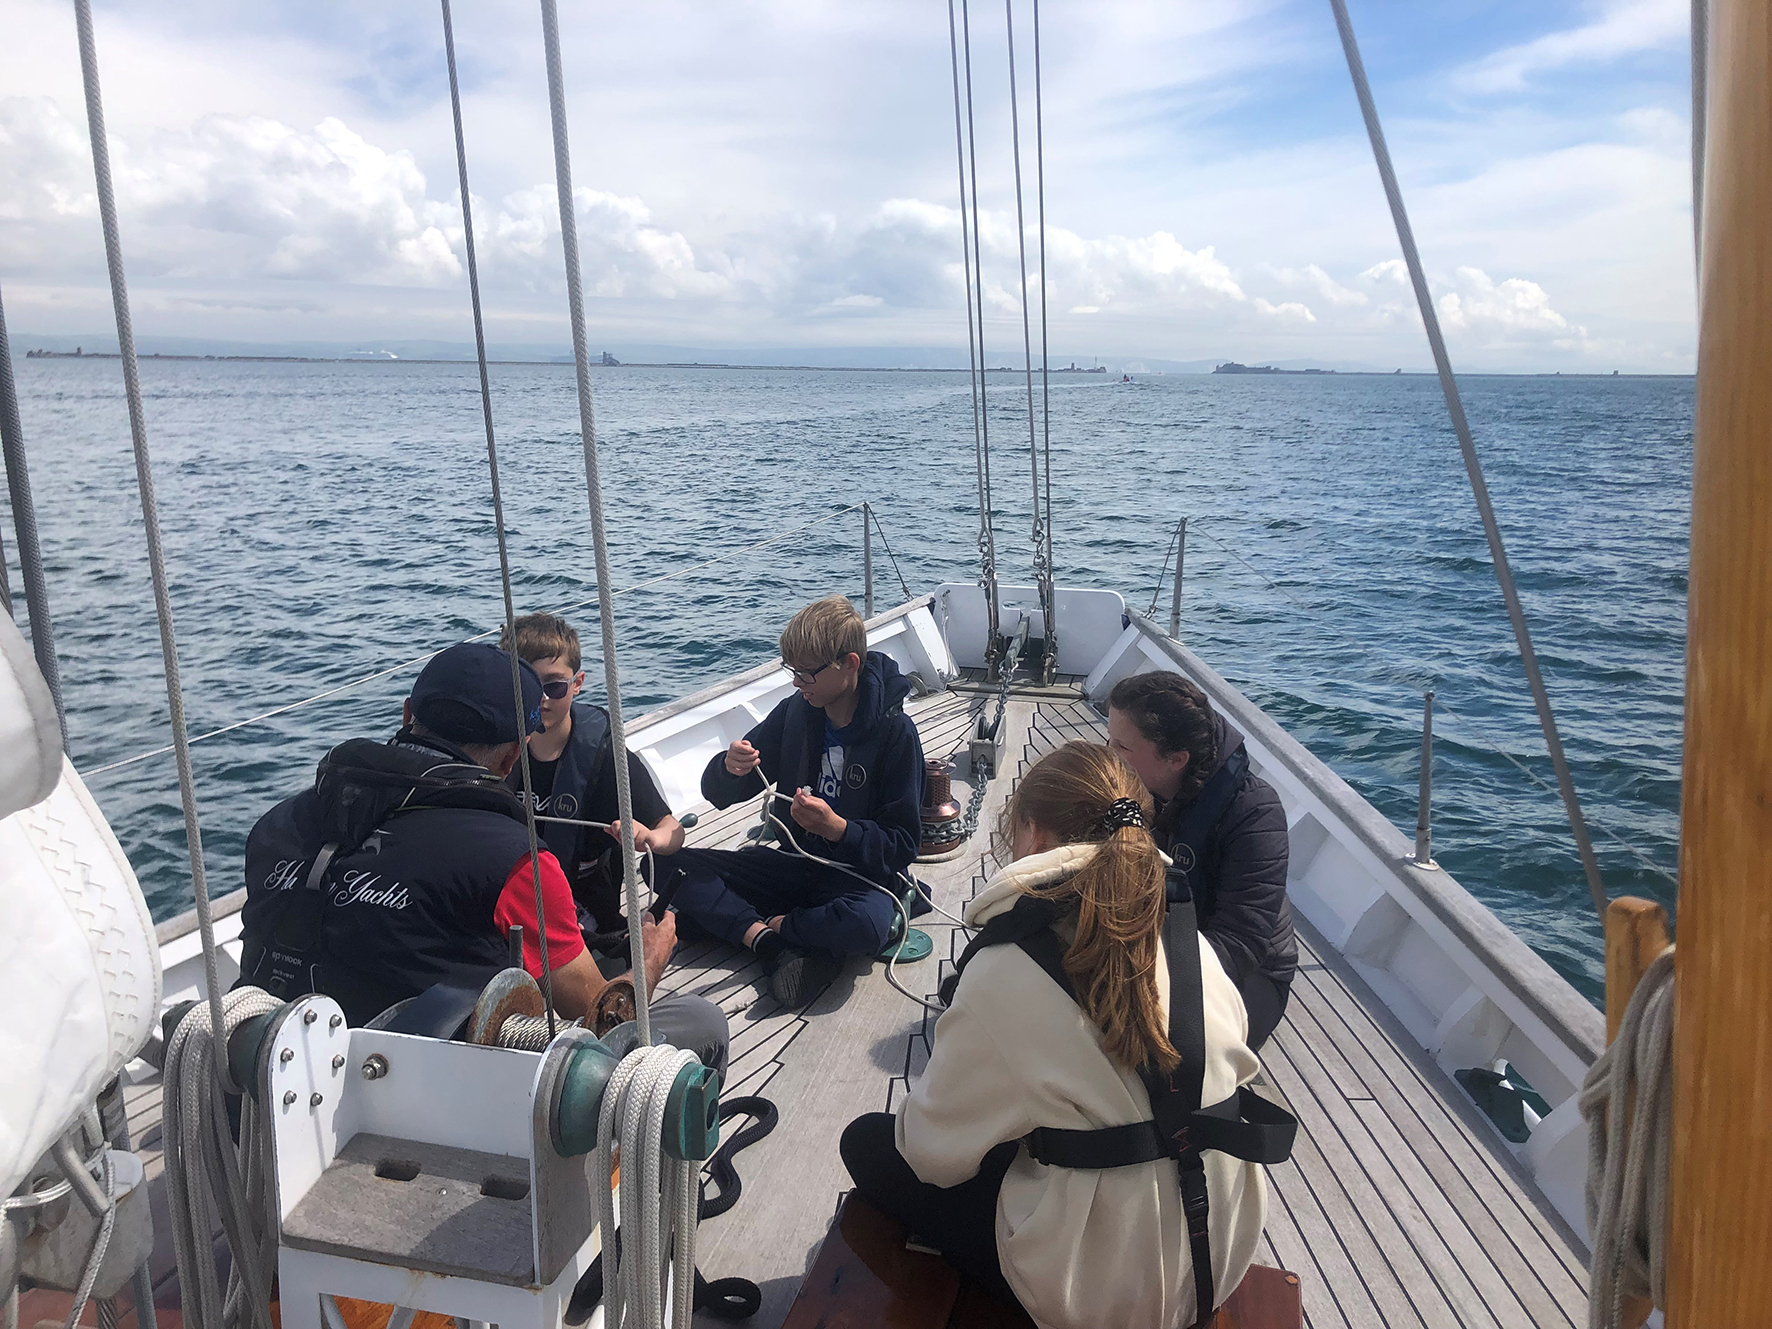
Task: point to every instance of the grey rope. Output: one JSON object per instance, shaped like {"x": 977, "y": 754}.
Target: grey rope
{"x": 284, "y": 709}
{"x": 1627, "y": 1191}
{"x": 24, "y": 521}
{"x": 1043, "y": 557}
{"x": 1472, "y": 465}
{"x": 987, "y": 504}
{"x": 987, "y": 554}
{"x": 498, "y": 522}
{"x": 144, "y": 477}
{"x": 887, "y": 544}
{"x": 624, "y": 801}
{"x": 1041, "y": 573}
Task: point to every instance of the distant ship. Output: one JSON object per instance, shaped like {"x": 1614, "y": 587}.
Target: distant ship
{"x": 1232, "y": 367}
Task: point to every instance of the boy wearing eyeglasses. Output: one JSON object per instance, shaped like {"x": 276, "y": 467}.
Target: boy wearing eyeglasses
{"x": 572, "y": 774}
{"x": 847, "y": 765}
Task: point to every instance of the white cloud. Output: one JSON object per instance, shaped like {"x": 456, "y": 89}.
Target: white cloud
{"x": 1619, "y": 28}
{"x": 1514, "y": 307}
{"x": 1291, "y": 311}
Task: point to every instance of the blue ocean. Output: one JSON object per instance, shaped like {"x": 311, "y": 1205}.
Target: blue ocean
{"x": 326, "y": 521}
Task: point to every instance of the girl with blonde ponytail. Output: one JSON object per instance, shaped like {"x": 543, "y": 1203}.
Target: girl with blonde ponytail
{"x": 1014, "y": 1052}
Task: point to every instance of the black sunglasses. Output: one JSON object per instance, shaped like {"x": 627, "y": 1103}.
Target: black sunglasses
{"x": 806, "y": 675}
{"x": 555, "y": 688}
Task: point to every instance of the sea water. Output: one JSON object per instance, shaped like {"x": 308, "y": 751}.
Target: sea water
{"x": 323, "y": 521}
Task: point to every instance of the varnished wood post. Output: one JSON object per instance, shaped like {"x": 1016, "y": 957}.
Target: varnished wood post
{"x": 1722, "y": 1149}
{"x": 1636, "y": 933}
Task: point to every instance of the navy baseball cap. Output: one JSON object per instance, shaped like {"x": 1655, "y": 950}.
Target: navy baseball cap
{"x": 464, "y": 695}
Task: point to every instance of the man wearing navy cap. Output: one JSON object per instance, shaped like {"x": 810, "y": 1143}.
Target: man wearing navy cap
{"x": 407, "y": 863}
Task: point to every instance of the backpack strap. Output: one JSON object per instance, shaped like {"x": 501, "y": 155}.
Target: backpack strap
{"x": 1175, "y": 1098}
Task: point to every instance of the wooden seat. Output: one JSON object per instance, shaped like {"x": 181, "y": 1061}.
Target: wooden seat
{"x": 865, "y": 1274}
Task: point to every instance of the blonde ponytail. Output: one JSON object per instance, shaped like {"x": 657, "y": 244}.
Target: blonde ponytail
{"x": 1075, "y": 795}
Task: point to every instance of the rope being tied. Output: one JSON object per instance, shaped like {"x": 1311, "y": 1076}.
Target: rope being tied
{"x": 1627, "y": 1101}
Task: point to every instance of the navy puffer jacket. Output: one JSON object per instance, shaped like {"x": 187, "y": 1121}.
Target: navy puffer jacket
{"x": 1230, "y": 839}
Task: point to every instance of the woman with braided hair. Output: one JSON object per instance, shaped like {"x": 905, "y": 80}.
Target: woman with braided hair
{"x": 1223, "y": 827}
{"x": 1015, "y": 1054}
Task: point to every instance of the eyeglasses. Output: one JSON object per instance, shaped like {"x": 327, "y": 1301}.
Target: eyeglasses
{"x": 556, "y": 688}
{"x": 806, "y": 676}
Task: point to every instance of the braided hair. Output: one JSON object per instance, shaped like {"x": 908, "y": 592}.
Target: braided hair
{"x": 1173, "y": 714}
{"x": 1084, "y": 793}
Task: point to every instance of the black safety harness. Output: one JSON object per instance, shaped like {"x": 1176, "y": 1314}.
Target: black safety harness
{"x": 1245, "y": 1125}
{"x": 362, "y": 784}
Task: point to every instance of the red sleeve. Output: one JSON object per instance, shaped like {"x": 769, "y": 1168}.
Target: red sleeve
{"x": 516, "y": 908}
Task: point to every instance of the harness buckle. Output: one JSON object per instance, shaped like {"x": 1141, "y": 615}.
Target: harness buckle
{"x": 1194, "y": 1200}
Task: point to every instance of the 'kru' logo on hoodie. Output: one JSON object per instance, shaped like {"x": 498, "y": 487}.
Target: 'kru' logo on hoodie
{"x": 365, "y": 888}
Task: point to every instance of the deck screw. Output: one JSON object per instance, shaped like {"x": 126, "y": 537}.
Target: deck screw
{"x": 375, "y": 1066}
{"x": 314, "y": 1100}
{"x": 286, "y": 1056}
{"x": 338, "y": 1062}
{"x": 310, "y": 1015}
{"x": 288, "y": 1097}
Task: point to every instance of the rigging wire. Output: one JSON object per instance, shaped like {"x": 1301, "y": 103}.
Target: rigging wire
{"x": 144, "y": 477}
{"x": 284, "y": 709}
{"x": 1041, "y": 576}
{"x": 1163, "y": 571}
{"x": 624, "y": 799}
{"x": 1472, "y": 465}
{"x": 902, "y": 584}
{"x": 498, "y": 522}
{"x": 987, "y": 506}
{"x": 1488, "y": 741}
{"x": 1049, "y": 592}
{"x": 986, "y": 549}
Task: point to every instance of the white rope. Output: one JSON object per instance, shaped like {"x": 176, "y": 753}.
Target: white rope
{"x": 1628, "y": 1166}
{"x": 144, "y": 477}
{"x": 208, "y": 1178}
{"x": 770, "y": 795}
{"x": 660, "y": 1195}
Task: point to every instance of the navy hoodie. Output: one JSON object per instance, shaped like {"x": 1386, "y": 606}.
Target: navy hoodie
{"x": 882, "y": 797}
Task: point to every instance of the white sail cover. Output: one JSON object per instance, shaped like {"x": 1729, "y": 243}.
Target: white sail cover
{"x": 79, "y": 964}
{"x": 30, "y": 737}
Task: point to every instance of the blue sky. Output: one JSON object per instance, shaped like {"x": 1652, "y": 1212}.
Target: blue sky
{"x": 783, "y": 174}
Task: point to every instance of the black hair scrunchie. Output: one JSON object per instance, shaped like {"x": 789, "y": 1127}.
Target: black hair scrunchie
{"x": 1123, "y": 812}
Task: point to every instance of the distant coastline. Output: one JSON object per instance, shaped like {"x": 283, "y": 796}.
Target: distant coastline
{"x": 608, "y": 361}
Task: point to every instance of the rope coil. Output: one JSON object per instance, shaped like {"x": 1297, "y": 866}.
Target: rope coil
{"x": 1627, "y": 1102}
{"x": 208, "y": 1177}
{"x": 660, "y": 1195}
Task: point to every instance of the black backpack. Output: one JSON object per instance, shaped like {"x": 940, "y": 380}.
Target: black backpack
{"x": 1246, "y": 1126}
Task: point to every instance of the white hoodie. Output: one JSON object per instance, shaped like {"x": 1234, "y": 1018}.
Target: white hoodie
{"x": 1080, "y": 1248}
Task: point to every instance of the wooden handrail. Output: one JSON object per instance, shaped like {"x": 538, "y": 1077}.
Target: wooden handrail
{"x": 1721, "y": 1221}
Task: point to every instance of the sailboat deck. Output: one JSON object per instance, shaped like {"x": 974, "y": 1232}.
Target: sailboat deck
{"x": 1400, "y": 1206}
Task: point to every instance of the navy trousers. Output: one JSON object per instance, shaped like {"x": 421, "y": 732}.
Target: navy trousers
{"x": 727, "y": 890}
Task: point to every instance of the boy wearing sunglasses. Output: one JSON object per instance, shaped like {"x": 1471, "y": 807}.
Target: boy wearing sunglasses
{"x": 848, "y": 765}
{"x": 572, "y": 773}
